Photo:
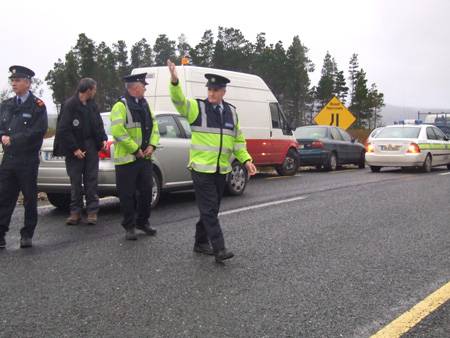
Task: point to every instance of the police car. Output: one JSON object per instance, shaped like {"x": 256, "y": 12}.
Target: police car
{"x": 408, "y": 144}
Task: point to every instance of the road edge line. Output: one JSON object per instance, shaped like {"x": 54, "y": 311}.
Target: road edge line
{"x": 417, "y": 313}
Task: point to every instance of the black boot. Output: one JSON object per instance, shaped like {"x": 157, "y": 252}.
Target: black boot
{"x": 204, "y": 248}
{"x": 130, "y": 235}
{"x": 149, "y": 231}
{"x": 222, "y": 255}
{"x": 26, "y": 242}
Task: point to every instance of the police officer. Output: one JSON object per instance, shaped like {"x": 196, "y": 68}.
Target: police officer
{"x": 136, "y": 136}
{"x": 80, "y": 135}
{"x": 216, "y": 136}
{"x": 23, "y": 124}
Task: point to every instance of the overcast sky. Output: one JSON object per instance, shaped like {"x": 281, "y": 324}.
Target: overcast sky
{"x": 404, "y": 45}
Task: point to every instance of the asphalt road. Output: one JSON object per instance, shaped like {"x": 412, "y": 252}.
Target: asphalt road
{"x": 344, "y": 255}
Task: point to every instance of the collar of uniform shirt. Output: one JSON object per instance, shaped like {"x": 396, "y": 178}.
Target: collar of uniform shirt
{"x": 24, "y": 97}
{"x": 220, "y": 105}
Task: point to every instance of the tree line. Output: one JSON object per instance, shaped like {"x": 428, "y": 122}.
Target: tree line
{"x": 285, "y": 70}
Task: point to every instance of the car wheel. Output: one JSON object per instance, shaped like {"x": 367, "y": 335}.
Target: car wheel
{"x": 375, "y": 169}
{"x": 427, "y": 164}
{"x": 448, "y": 166}
{"x": 290, "y": 164}
{"x": 156, "y": 189}
{"x": 331, "y": 163}
{"x": 237, "y": 179}
{"x": 362, "y": 161}
{"x": 59, "y": 200}
{"x": 319, "y": 167}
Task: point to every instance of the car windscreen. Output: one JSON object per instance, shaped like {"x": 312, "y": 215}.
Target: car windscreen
{"x": 399, "y": 132}
{"x": 310, "y": 133}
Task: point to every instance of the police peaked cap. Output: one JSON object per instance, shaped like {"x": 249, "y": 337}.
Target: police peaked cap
{"x": 136, "y": 78}
{"x": 216, "y": 81}
{"x": 20, "y": 72}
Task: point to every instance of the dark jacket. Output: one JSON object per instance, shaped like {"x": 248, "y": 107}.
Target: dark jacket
{"x": 25, "y": 124}
{"x": 72, "y": 124}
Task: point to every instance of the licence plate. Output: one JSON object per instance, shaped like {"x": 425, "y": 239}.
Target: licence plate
{"x": 390, "y": 147}
{"x": 301, "y": 146}
{"x": 48, "y": 156}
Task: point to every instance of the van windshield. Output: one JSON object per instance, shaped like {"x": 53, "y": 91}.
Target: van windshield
{"x": 399, "y": 132}
{"x": 310, "y": 132}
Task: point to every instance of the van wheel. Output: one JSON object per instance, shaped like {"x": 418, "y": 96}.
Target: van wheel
{"x": 375, "y": 169}
{"x": 427, "y": 164}
{"x": 237, "y": 179}
{"x": 331, "y": 163}
{"x": 59, "y": 200}
{"x": 290, "y": 164}
{"x": 156, "y": 189}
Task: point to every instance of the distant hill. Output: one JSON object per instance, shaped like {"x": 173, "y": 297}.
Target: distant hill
{"x": 393, "y": 113}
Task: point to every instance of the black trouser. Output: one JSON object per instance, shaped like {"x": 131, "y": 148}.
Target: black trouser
{"x": 134, "y": 187}
{"x": 84, "y": 172}
{"x": 209, "y": 189}
{"x": 16, "y": 177}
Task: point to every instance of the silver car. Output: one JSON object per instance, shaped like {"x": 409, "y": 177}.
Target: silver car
{"x": 170, "y": 161}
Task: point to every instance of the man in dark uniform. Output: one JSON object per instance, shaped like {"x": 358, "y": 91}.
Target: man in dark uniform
{"x": 23, "y": 124}
{"x": 216, "y": 136}
{"x": 136, "y": 136}
{"x": 80, "y": 135}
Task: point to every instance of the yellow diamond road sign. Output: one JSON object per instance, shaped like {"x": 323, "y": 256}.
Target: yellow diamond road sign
{"x": 335, "y": 114}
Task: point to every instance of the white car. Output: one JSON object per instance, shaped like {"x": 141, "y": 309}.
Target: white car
{"x": 422, "y": 146}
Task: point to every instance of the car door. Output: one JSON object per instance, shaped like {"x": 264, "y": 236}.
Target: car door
{"x": 352, "y": 148}
{"x": 338, "y": 141}
{"x": 173, "y": 152}
{"x": 444, "y": 146}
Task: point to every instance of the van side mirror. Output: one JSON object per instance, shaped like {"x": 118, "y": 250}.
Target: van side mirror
{"x": 292, "y": 126}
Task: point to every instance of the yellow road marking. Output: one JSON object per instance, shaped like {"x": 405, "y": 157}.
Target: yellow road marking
{"x": 411, "y": 318}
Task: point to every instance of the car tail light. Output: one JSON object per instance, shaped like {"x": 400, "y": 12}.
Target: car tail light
{"x": 370, "y": 148}
{"x": 413, "y": 149}
{"x": 317, "y": 144}
{"x": 105, "y": 154}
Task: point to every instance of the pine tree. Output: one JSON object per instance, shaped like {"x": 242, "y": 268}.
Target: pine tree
{"x": 202, "y": 54}
{"x": 360, "y": 105}
{"x": 297, "y": 89}
{"x": 84, "y": 51}
{"x": 164, "y": 49}
{"x": 141, "y": 54}
{"x": 326, "y": 87}
{"x": 121, "y": 57}
{"x": 353, "y": 70}
{"x": 340, "y": 86}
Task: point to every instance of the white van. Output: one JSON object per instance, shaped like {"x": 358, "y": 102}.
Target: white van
{"x": 270, "y": 140}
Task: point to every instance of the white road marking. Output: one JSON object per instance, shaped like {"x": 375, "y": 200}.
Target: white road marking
{"x": 262, "y": 205}
{"x": 443, "y": 174}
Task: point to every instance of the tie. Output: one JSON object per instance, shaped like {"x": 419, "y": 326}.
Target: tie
{"x": 19, "y": 100}
{"x": 218, "y": 109}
